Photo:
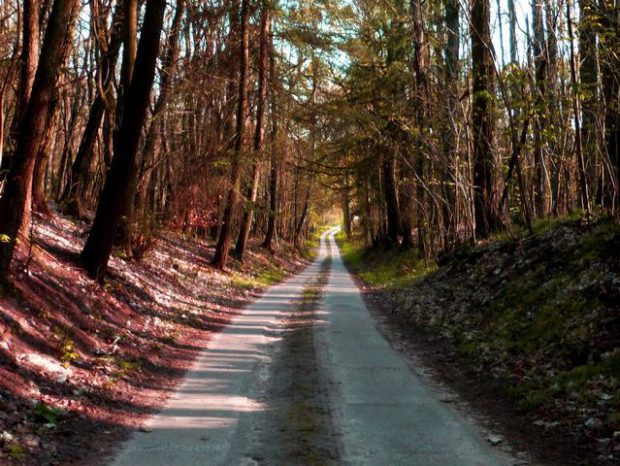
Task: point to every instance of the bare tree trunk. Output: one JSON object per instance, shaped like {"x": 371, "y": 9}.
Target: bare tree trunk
{"x": 246, "y": 222}
{"x": 450, "y": 218}
{"x": 512, "y": 24}
{"x": 15, "y": 205}
{"x": 610, "y": 64}
{"x": 346, "y": 208}
{"x": 553, "y": 96}
{"x": 302, "y": 219}
{"x": 581, "y": 166}
{"x": 591, "y": 134}
{"x": 130, "y": 46}
{"x": 76, "y": 189}
{"x": 29, "y": 62}
{"x": 540, "y": 122}
{"x": 391, "y": 200}
{"x": 130, "y": 43}
{"x": 232, "y": 202}
{"x": 483, "y": 109}
{"x": 116, "y": 191}
{"x": 137, "y": 205}
{"x": 39, "y": 200}
{"x": 30, "y": 56}
{"x": 274, "y": 168}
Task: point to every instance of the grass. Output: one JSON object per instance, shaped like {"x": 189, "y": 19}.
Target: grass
{"x": 272, "y": 274}
{"x": 263, "y": 278}
{"x": 310, "y": 249}
{"x": 539, "y": 226}
{"x": 383, "y": 268}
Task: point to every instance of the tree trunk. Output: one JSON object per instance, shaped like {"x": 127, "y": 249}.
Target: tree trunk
{"x": 29, "y": 62}
{"x": 116, "y": 191}
{"x": 302, "y": 219}
{"x": 346, "y": 208}
{"x": 581, "y": 166}
{"x": 137, "y": 207}
{"x": 391, "y": 200}
{"x": 486, "y": 207}
{"x": 452, "y": 116}
{"x": 273, "y": 170}
{"x": 130, "y": 46}
{"x": 512, "y": 25}
{"x": 246, "y": 222}
{"x": 540, "y": 122}
{"x": 130, "y": 43}
{"x": 75, "y": 191}
{"x": 232, "y": 202}
{"x": 39, "y": 200}
{"x": 15, "y": 205}
{"x": 610, "y": 64}
{"x": 591, "y": 134}
{"x": 30, "y": 56}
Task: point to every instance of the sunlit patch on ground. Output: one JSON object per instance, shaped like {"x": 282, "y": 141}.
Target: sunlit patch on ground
{"x": 80, "y": 362}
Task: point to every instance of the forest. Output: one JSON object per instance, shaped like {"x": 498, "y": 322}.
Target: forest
{"x": 244, "y": 126}
{"x": 225, "y": 118}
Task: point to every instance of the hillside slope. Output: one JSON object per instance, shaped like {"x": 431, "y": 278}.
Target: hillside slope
{"x": 540, "y": 315}
{"x": 81, "y": 363}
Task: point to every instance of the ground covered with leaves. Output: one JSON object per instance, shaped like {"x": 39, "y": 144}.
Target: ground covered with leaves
{"x": 82, "y": 364}
{"x": 533, "y": 324}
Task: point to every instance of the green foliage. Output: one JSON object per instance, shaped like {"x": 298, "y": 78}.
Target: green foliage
{"x": 44, "y": 414}
{"x": 16, "y": 451}
{"x": 68, "y": 353}
{"x": 265, "y": 277}
{"x": 383, "y": 268}
{"x": 310, "y": 249}
{"x": 125, "y": 366}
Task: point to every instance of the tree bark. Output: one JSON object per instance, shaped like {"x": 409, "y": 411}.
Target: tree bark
{"x": 452, "y": 115}
{"x": 540, "y": 122}
{"x": 137, "y": 205}
{"x": 391, "y": 200}
{"x": 246, "y": 222}
{"x": 15, "y": 205}
{"x": 486, "y": 207}
{"x": 29, "y": 62}
{"x": 274, "y": 168}
{"x": 117, "y": 190}
{"x": 232, "y": 202}
{"x": 581, "y": 166}
{"x": 591, "y": 134}
{"x": 75, "y": 191}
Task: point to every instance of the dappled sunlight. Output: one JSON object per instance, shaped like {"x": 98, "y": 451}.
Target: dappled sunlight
{"x": 225, "y": 387}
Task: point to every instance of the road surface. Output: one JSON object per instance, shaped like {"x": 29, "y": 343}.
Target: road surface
{"x": 303, "y": 377}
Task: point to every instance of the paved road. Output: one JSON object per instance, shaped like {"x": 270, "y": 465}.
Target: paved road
{"x": 307, "y": 382}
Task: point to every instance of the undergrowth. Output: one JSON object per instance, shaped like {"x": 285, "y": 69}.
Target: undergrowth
{"x": 380, "y": 267}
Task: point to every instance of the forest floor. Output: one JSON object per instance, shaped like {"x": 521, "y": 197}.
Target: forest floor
{"x": 526, "y": 331}
{"x": 82, "y": 364}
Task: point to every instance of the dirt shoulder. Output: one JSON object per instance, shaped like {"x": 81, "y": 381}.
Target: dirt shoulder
{"x": 82, "y": 365}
